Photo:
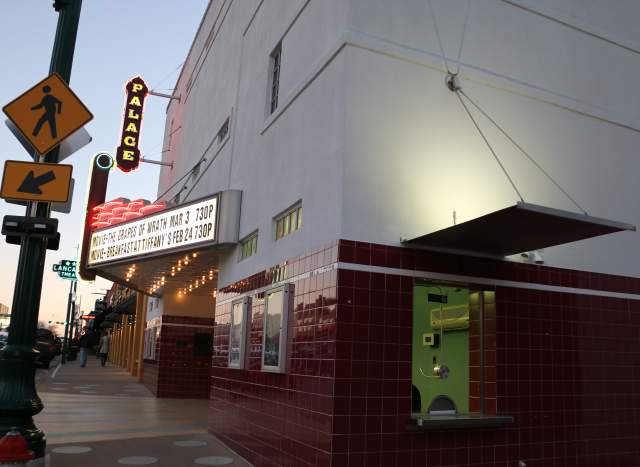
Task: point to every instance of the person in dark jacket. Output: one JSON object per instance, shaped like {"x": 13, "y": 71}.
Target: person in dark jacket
{"x": 105, "y": 341}
{"x": 85, "y": 343}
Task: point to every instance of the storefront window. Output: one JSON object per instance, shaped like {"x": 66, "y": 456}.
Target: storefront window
{"x": 447, "y": 363}
{"x": 150, "y": 338}
{"x": 238, "y": 333}
{"x": 274, "y": 343}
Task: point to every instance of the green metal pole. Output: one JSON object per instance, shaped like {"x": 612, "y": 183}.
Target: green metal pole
{"x": 72, "y": 323}
{"x": 19, "y": 401}
{"x": 67, "y": 324}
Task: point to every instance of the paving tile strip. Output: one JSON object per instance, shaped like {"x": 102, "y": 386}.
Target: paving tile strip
{"x": 103, "y": 417}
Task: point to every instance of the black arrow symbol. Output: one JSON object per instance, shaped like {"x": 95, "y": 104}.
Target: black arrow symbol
{"x": 31, "y": 183}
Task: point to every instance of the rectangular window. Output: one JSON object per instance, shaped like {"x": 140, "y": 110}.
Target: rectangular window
{"x": 150, "y": 338}
{"x": 223, "y": 131}
{"x": 276, "y": 57}
{"x": 288, "y": 222}
{"x": 248, "y": 246}
{"x": 238, "y": 333}
{"x": 274, "y": 340}
{"x": 448, "y": 352}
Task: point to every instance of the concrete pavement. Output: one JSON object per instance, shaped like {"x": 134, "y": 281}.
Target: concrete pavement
{"x": 103, "y": 417}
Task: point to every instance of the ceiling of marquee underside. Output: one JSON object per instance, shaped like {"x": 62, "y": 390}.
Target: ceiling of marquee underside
{"x": 197, "y": 269}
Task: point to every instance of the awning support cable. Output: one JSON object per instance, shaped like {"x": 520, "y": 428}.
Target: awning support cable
{"x": 521, "y": 149}
{"x": 504, "y": 170}
{"x": 464, "y": 31}
{"x": 435, "y": 26}
{"x": 439, "y": 37}
{"x": 451, "y": 82}
{"x": 189, "y": 172}
{"x": 199, "y": 178}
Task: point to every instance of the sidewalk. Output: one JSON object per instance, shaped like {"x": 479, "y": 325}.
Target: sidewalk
{"x": 103, "y": 417}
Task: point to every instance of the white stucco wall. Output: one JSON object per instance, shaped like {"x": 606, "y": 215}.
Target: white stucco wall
{"x": 376, "y": 147}
{"x": 276, "y": 160}
{"x": 413, "y": 156}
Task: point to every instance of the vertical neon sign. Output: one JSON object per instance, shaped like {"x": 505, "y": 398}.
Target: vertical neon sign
{"x": 128, "y": 153}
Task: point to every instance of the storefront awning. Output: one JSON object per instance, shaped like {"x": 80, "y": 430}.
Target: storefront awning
{"x": 127, "y": 306}
{"x": 517, "y": 229}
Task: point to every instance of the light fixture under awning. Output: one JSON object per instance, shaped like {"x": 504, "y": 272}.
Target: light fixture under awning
{"x": 519, "y": 228}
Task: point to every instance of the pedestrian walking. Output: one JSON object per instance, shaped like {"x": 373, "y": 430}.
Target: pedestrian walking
{"x": 85, "y": 343}
{"x": 105, "y": 340}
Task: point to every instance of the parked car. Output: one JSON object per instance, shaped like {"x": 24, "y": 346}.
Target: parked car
{"x": 58, "y": 343}
{"x": 46, "y": 345}
{"x": 3, "y": 340}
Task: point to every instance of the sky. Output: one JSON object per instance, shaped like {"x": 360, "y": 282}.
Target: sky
{"x": 117, "y": 40}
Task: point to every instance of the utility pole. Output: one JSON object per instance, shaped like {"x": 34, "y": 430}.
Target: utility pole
{"x": 19, "y": 401}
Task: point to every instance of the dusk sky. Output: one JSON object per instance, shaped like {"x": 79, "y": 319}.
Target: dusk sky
{"x": 117, "y": 40}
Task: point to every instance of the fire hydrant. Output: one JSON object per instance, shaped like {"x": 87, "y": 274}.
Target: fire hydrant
{"x": 14, "y": 451}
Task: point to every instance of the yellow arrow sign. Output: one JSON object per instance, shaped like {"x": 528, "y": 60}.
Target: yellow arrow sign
{"x": 47, "y": 113}
{"x": 31, "y": 181}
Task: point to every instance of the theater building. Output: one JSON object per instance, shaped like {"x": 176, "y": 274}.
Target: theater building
{"x": 362, "y": 260}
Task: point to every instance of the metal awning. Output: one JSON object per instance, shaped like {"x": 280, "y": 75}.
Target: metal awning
{"x": 517, "y": 229}
{"x": 127, "y": 306}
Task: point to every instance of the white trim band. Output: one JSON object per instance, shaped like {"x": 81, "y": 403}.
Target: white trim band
{"x": 429, "y": 275}
{"x": 486, "y": 281}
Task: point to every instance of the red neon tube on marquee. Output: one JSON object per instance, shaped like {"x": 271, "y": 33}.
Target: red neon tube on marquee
{"x": 122, "y": 210}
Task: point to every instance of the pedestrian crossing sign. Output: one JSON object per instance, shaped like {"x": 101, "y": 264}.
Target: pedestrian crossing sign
{"x": 48, "y": 113}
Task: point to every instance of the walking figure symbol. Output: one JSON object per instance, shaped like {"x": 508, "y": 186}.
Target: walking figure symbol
{"x": 51, "y": 106}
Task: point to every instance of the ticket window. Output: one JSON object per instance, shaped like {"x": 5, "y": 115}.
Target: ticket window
{"x": 446, "y": 364}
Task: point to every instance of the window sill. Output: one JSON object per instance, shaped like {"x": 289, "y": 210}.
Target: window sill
{"x": 465, "y": 420}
